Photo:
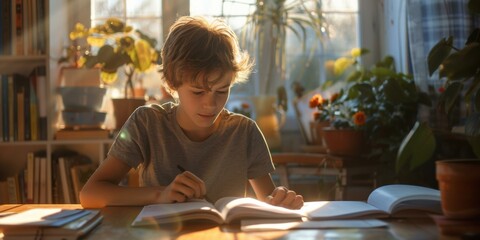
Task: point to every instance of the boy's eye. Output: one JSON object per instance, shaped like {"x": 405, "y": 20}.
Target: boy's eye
{"x": 198, "y": 92}
{"x": 222, "y": 92}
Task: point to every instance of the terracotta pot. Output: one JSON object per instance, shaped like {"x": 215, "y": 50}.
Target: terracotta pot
{"x": 459, "y": 182}
{"x": 347, "y": 142}
{"x": 123, "y": 107}
{"x": 316, "y": 132}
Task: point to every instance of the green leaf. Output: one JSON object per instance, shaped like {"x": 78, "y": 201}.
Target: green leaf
{"x": 475, "y": 143}
{"x": 462, "y": 64}
{"x": 471, "y": 91}
{"x": 416, "y": 148}
{"x": 472, "y": 125}
{"x": 393, "y": 91}
{"x": 383, "y": 72}
{"x": 354, "y": 76}
{"x": 438, "y": 53}
{"x": 474, "y": 6}
{"x": 451, "y": 94}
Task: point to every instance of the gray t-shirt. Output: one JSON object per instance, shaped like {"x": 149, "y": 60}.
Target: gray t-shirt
{"x": 234, "y": 153}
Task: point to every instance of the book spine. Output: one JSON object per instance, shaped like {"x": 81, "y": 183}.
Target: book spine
{"x": 11, "y": 112}
{"x": 12, "y": 184}
{"x": 30, "y": 176}
{"x": 20, "y": 110}
{"x": 62, "y": 165}
{"x": 33, "y": 111}
{"x": 4, "y": 97}
{"x": 49, "y": 187}
{"x": 36, "y": 179}
{"x": 19, "y": 41}
{"x": 42, "y": 101}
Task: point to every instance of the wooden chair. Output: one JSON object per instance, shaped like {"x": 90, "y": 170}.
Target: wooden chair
{"x": 288, "y": 164}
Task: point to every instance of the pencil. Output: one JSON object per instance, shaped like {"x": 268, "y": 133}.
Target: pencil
{"x": 183, "y": 170}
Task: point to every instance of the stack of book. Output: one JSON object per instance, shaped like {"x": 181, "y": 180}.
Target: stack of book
{"x": 49, "y": 223}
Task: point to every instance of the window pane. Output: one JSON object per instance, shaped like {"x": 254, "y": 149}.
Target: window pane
{"x": 107, "y": 8}
{"x": 150, "y": 27}
{"x": 340, "y": 5}
{"x": 144, "y": 8}
{"x": 343, "y": 34}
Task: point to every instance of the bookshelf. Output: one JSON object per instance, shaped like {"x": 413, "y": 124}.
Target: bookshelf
{"x": 13, "y": 153}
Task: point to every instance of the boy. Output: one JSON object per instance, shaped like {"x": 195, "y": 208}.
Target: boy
{"x": 194, "y": 148}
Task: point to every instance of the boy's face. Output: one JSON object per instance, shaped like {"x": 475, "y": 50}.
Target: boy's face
{"x": 199, "y": 108}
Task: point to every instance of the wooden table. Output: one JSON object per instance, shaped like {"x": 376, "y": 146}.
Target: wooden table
{"x": 117, "y": 220}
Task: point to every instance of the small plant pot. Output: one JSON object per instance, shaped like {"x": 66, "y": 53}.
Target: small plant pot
{"x": 348, "y": 142}
{"x": 459, "y": 182}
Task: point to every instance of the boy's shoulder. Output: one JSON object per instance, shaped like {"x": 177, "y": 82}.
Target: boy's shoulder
{"x": 154, "y": 110}
{"x": 237, "y": 118}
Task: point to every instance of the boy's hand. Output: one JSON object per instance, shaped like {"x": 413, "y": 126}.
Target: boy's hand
{"x": 283, "y": 197}
{"x": 185, "y": 186}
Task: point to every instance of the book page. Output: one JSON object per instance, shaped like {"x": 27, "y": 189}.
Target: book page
{"x": 233, "y": 209}
{"x": 323, "y": 210}
{"x": 173, "y": 212}
{"x": 389, "y": 197}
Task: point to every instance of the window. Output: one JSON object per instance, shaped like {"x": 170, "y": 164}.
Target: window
{"x": 342, "y": 20}
{"x": 341, "y": 16}
{"x": 144, "y": 15}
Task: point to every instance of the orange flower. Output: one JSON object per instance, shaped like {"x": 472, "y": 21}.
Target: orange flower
{"x": 359, "y": 118}
{"x": 245, "y": 105}
{"x": 316, "y": 100}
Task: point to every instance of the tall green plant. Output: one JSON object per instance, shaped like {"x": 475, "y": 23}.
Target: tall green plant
{"x": 265, "y": 32}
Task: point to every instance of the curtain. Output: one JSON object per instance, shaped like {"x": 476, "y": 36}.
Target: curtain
{"x": 428, "y": 21}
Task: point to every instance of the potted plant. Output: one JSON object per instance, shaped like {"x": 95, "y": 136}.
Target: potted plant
{"x": 458, "y": 179}
{"x": 377, "y": 100}
{"x": 116, "y": 48}
{"x": 264, "y": 35}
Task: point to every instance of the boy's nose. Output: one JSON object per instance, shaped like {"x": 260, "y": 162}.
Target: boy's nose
{"x": 209, "y": 101}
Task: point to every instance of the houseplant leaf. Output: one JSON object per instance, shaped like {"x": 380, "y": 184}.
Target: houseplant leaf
{"x": 416, "y": 148}
{"x": 451, "y": 94}
{"x": 439, "y": 52}
{"x": 462, "y": 64}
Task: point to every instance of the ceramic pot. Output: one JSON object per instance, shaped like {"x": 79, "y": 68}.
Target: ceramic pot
{"x": 123, "y": 107}
{"x": 459, "y": 182}
{"x": 348, "y": 142}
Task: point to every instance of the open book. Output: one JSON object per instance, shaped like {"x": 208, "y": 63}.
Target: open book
{"x": 225, "y": 210}
{"x": 395, "y": 200}
{"x": 387, "y": 201}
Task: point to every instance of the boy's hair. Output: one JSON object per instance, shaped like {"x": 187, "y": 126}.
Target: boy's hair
{"x": 196, "y": 48}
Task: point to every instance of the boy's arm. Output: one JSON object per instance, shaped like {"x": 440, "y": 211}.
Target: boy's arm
{"x": 102, "y": 188}
{"x": 266, "y": 191}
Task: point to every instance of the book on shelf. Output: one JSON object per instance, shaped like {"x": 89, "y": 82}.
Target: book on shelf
{"x": 80, "y": 175}
{"x": 65, "y": 165}
{"x": 74, "y": 134}
{"x": 387, "y": 201}
{"x": 50, "y": 223}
